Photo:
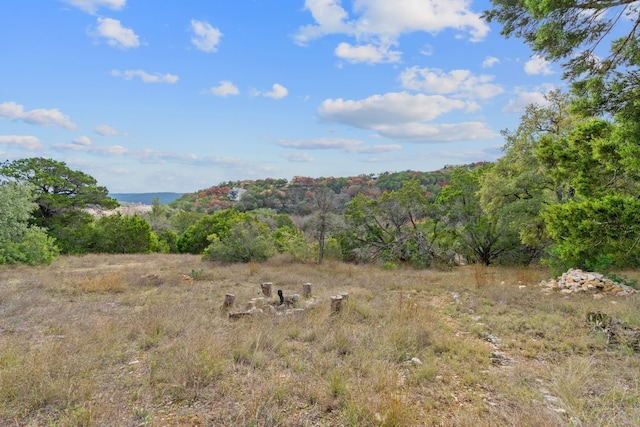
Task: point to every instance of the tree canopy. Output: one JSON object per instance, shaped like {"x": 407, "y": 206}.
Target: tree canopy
{"x": 576, "y": 33}
{"x": 19, "y": 241}
{"x": 58, "y": 187}
{"x": 61, "y": 194}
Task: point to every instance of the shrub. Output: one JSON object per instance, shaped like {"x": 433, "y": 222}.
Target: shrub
{"x": 35, "y": 248}
{"x": 246, "y": 241}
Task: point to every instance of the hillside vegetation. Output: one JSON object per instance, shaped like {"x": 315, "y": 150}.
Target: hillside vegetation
{"x": 292, "y": 197}
{"x": 140, "y": 340}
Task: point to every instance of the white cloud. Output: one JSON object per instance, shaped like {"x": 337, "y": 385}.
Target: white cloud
{"x": 52, "y": 117}
{"x": 225, "y": 88}
{"x": 145, "y": 77}
{"x": 330, "y": 18}
{"x": 29, "y": 143}
{"x": 391, "y": 107}
{"x": 83, "y": 141}
{"x": 298, "y": 157}
{"x": 367, "y": 53}
{"x": 277, "y": 92}
{"x": 106, "y": 130}
{"x": 91, "y": 6}
{"x": 206, "y": 37}
{"x": 461, "y": 82}
{"x": 525, "y": 98}
{"x": 382, "y": 22}
{"x": 347, "y": 145}
{"x": 537, "y": 65}
{"x": 405, "y": 116}
{"x": 437, "y": 132}
{"x": 490, "y": 61}
{"x": 78, "y": 146}
{"x": 116, "y": 34}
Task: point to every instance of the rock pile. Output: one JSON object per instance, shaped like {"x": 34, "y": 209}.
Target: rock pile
{"x": 576, "y": 280}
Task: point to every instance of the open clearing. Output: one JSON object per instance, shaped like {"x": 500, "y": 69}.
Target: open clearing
{"x": 140, "y": 340}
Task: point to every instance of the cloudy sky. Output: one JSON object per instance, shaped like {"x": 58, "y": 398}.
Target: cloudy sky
{"x": 148, "y": 95}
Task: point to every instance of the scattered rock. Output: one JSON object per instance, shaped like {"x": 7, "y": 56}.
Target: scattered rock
{"x": 494, "y": 340}
{"x": 577, "y": 281}
{"x": 616, "y": 331}
{"x": 500, "y": 358}
{"x": 413, "y": 362}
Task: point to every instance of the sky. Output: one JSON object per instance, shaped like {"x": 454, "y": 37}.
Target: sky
{"x": 178, "y": 96}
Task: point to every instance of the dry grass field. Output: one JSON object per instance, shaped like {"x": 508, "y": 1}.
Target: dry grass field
{"x": 141, "y": 341}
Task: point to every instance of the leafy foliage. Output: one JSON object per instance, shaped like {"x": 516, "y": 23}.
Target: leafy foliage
{"x": 246, "y": 240}
{"x": 124, "y": 235}
{"x": 61, "y": 194}
{"x": 197, "y": 237}
{"x": 576, "y": 33}
{"x": 390, "y": 229}
{"x": 470, "y": 231}
{"x": 595, "y": 233}
{"x": 19, "y": 241}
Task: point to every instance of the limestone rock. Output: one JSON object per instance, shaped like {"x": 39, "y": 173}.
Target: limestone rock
{"x": 576, "y": 280}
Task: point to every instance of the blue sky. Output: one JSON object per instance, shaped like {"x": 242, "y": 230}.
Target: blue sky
{"x": 178, "y": 96}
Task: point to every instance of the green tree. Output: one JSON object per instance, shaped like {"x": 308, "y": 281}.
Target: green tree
{"x": 21, "y": 242}
{"x": 289, "y": 240}
{"x": 61, "y": 195}
{"x": 325, "y": 218}
{"x": 576, "y": 33}
{"x": 181, "y": 220}
{"x": 471, "y": 231}
{"x": 246, "y": 240}
{"x": 518, "y": 187}
{"x": 595, "y": 233}
{"x": 590, "y": 160}
{"x": 392, "y": 228}
{"x": 124, "y": 234}
{"x": 197, "y": 237}
{"x": 159, "y": 220}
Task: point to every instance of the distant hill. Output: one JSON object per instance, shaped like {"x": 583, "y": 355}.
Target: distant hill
{"x": 146, "y": 198}
{"x": 294, "y": 196}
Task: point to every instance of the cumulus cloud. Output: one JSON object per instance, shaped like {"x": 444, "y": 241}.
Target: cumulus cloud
{"x": 225, "y": 88}
{"x": 490, "y": 61}
{"x": 106, "y": 130}
{"x": 206, "y": 38}
{"x": 437, "y": 132}
{"x": 145, "y": 77}
{"x": 394, "y": 107}
{"x": 29, "y": 143}
{"x": 461, "y": 82}
{"x": 116, "y": 34}
{"x": 52, "y": 117}
{"x": 368, "y": 53}
{"x": 525, "y": 98}
{"x": 277, "y": 92}
{"x": 537, "y": 65}
{"x": 91, "y": 6}
{"x": 381, "y": 22}
{"x": 405, "y": 116}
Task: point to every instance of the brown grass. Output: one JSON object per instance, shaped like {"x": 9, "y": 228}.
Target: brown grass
{"x": 140, "y": 341}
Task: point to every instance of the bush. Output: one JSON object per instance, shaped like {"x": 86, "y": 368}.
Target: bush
{"x": 197, "y": 237}
{"x": 125, "y": 235}
{"x": 35, "y": 248}
{"x": 290, "y": 241}
{"x": 246, "y": 241}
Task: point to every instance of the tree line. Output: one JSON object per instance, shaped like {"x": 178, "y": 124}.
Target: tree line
{"x": 566, "y": 191}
